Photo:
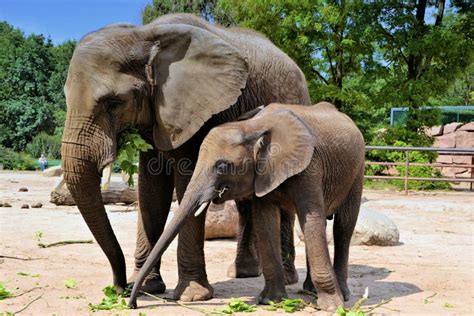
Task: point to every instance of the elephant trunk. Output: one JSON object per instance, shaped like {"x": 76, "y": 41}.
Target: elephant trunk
{"x": 193, "y": 200}
{"x": 82, "y": 162}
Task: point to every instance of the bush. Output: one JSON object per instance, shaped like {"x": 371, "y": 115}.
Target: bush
{"x": 16, "y": 161}
{"x": 414, "y": 171}
{"x": 49, "y": 145}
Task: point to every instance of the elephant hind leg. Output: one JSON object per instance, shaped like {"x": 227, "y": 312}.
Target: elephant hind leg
{"x": 344, "y": 223}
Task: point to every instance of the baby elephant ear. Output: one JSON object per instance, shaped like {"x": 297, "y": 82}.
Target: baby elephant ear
{"x": 195, "y": 74}
{"x": 284, "y": 149}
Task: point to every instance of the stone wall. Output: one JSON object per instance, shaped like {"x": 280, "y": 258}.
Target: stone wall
{"x": 454, "y": 135}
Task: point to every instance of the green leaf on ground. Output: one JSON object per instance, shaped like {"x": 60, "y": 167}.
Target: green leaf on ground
{"x": 289, "y": 305}
{"x": 111, "y": 301}
{"x": 237, "y": 305}
{"x": 448, "y": 305}
{"x": 4, "y": 293}
{"x": 70, "y": 283}
{"x": 28, "y": 274}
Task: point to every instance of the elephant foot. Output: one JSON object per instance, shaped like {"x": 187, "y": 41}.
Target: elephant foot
{"x": 273, "y": 292}
{"x": 152, "y": 284}
{"x": 329, "y": 302}
{"x": 309, "y": 286}
{"x": 291, "y": 275}
{"x": 244, "y": 268}
{"x": 194, "y": 290}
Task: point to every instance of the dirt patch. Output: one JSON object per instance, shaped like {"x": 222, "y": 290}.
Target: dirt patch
{"x": 434, "y": 257}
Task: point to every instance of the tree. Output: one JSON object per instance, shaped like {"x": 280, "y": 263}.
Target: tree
{"x": 157, "y": 8}
{"x": 61, "y": 56}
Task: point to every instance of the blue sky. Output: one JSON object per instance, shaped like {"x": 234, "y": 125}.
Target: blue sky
{"x": 68, "y": 19}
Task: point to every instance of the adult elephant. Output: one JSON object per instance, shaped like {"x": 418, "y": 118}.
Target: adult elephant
{"x": 173, "y": 79}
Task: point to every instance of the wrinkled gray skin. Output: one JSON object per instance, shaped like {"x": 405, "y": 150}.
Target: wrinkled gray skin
{"x": 174, "y": 79}
{"x": 310, "y": 160}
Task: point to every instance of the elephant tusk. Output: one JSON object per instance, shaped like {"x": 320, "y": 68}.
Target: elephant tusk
{"x": 201, "y": 208}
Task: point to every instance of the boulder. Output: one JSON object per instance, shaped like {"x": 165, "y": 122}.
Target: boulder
{"x": 23, "y": 190}
{"x": 445, "y": 141}
{"x": 435, "y": 131}
{"x": 37, "y": 205}
{"x": 6, "y": 204}
{"x": 467, "y": 127}
{"x": 372, "y": 229}
{"x": 451, "y": 127}
{"x": 447, "y": 159}
{"x": 464, "y": 139}
{"x": 56, "y": 171}
{"x": 25, "y": 206}
{"x": 222, "y": 221}
{"x": 463, "y": 159}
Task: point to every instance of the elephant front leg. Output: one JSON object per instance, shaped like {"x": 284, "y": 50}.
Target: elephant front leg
{"x": 287, "y": 222}
{"x": 192, "y": 284}
{"x": 266, "y": 219}
{"x": 155, "y": 193}
{"x": 322, "y": 274}
{"x": 246, "y": 263}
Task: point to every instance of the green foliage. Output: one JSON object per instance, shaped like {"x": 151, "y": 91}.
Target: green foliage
{"x": 111, "y": 301}
{"x": 157, "y": 8}
{"x": 414, "y": 171}
{"x": 448, "y": 305}
{"x": 289, "y": 305}
{"x": 12, "y": 160}
{"x": 70, "y": 283}
{"x": 236, "y": 305}
{"x": 130, "y": 144}
{"x": 4, "y": 293}
{"x": 49, "y": 145}
{"x": 28, "y": 274}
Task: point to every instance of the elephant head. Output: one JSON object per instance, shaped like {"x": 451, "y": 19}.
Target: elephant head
{"x": 237, "y": 160}
{"x": 165, "y": 79}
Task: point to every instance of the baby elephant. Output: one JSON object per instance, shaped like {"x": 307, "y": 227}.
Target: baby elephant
{"x": 308, "y": 160}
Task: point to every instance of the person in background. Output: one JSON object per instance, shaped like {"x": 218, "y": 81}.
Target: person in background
{"x": 43, "y": 162}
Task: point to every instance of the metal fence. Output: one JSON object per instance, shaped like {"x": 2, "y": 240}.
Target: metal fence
{"x": 407, "y": 164}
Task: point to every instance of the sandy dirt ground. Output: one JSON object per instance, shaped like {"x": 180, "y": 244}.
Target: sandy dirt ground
{"x": 434, "y": 258}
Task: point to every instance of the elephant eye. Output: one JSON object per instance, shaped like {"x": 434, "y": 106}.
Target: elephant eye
{"x": 113, "y": 104}
{"x": 223, "y": 167}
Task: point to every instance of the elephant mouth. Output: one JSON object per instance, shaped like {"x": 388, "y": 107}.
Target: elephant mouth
{"x": 221, "y": 194}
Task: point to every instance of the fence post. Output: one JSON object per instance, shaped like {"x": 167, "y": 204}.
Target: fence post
{"x": 407, "y": 162}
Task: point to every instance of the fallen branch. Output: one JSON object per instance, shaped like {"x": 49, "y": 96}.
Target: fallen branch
{"x": 19, "y": 258}
{"x": 65, "y": 242}
{"x": 196, "y": 309}
{"x": 28, "y": 291}
{"x": 28, "y": 305}
{"x": 380, "y": 305}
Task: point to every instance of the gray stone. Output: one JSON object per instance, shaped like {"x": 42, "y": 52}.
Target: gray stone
{"x": 37, "y": 205}
{"x": 222, "y": 221}
{"x": 25, "y": 206}
{"x": 372, "y": 229}
{"x": 56, "y": 171}
{"x": 23, "y": 190}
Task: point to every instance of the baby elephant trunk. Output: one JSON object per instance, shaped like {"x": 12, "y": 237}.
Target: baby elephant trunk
{"x": 186, "y": 209}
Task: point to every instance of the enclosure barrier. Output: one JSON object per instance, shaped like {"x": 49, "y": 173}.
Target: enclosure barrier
{"x": 407, "y": 164}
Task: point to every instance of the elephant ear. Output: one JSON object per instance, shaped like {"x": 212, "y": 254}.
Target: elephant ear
{"x": 284, "y": 149}
{"x": 195, "y": 74}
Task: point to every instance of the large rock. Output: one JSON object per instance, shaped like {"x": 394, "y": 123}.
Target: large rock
{"x": 435, "y": 130}
{"x": 445, "y": 141}
{"x": 372, "y": 229}
{"x": 464, "y": 139}
{"x": 56, "y": 171}
{"x": 451, "y": 127}
{"x": 467, "y": 127}
{"x": 222, "y": 221}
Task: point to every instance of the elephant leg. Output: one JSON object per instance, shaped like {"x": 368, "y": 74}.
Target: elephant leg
{"x": 287, "y": 222}
{"x": 266, "y": 219}
{"x": 193, "y": 284}
{"x": 246, "y": 263}
{"x": 155, "y": 193}
{"x": 313, "y": 220}
{"x": 344, "y": 224}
